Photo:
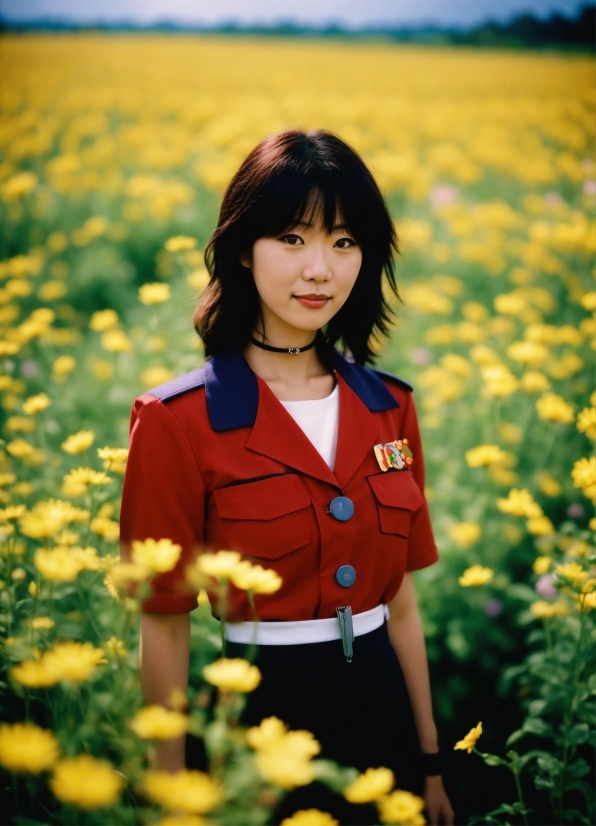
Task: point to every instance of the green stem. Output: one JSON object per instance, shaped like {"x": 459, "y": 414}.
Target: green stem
{"x": 549, "y": 639}
{"x": 252, "y": 648}
{"x": 520, "y": 796}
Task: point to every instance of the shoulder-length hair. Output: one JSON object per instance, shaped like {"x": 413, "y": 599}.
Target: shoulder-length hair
{"x": 287, "y": 178}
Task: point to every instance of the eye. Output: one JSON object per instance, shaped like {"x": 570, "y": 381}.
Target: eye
{"x": 292, "y": 239}
{"x": 345, "y": 243}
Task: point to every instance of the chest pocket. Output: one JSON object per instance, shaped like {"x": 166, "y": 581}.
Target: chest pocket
{"x": 397, "y": 496}
{"x": 267, "y": 518}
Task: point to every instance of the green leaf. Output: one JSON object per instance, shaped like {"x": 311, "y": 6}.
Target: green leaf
{"x": 578, "y": 769}
{"x": 579, "y": 734}
{"x": 515, "y": 736}
{"x": 534, "y": 725}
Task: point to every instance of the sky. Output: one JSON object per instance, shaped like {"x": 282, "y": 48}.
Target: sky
{"x": 350, "y": 13}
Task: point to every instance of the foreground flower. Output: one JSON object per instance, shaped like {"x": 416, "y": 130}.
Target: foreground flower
{"x": 232, "y": 675}
{"x": 25, "y": 747}
{"x": 469, "y": 740}
{"x": 310, "y": 817}
{"x": 402, "y": 807}
{"x": 584, "y": 473}
{"x": 270, "y": 731}
{"x": 58, "y": 564}
{"x": 86, "y": 782}
{"x": 484, "y": 455}
{"x": 78, "y": 442}
{"x": 180, "y": 243}
{"x": 283, "y": 757}
{"x": 572, "y": 571}
{"x": 255, "y": 578}
{"x": 540, "y": 526}
{"x": 74, "y": 661}
{"x": 186, "y": 791}
{"x": 113, "y": 454}
{"x": 33, "y": 674}
{"x": 35, "y": 404}
{"x": 476, "y": 575}
{"x": 154, "y": 293}
{"x": 220, "y": 565}
{"x": 541, "y": 609}
{"x": 370, "y": 786}
{"x": 586, "y": 422}
{"x": 157, "y": 722}
{"x": 156, "y": 555}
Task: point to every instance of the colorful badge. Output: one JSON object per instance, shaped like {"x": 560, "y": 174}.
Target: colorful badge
{"x": 396, "y": 455}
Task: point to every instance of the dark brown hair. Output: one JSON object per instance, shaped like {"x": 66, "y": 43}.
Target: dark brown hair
{"x": 287, "y": 178}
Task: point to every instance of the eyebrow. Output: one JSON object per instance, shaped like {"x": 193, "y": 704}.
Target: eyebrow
{"x": 309, "y": 225}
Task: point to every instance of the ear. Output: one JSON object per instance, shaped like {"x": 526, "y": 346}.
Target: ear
{"x": 245, "y": 260}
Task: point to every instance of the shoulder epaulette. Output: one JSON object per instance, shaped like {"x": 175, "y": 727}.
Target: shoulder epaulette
{"x": 394, "y": 379}
{"x": 179, "y": 385}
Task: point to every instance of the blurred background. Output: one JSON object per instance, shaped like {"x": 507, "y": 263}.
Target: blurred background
{"x": 121, "y": 124}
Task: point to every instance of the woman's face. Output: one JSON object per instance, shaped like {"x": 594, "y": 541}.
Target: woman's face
{"x": 304, "y": 277}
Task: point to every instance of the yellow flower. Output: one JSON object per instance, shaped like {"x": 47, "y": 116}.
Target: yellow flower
{"x": 186, "y": 791}
{"x": 25, "y": 747}
{"x": 476, "y": 575}
{"x": 584, "y": 472}
{"x": 528, "y": 352}
{"x": 35, "y": 404}
{"x": 23, "y": 423}
{"x": 180, "y": 243}
{"x": 586, "y": 422}
{"x": 12, "y": 512}
{"x": 113, "y": 454}
{"x": 78, "y": 480}
{"x": 464, "y": 533}
{"x": 541, "y": 564}
{"x": 154, "y": 376}
{"x": 586, "y": 602}
{"x": 157, "y": 556}
{"x": 116, "y": 341}
{"x": 103, "y": 320}
{"x": 499, "y": 381}
{"x": 86, "y": 782}
{"x": 178, "y": 819}
{"x": 115, "y": 647}
{"x": 33, "y": 674}
{"x": 519, "y": 503}
{"x": 42, "y": 623}
{"x": 456, "y": 364}
{"x": 469, "y": 740}
{"x": 157, "y": 722}
{"x": 20, "y": 449}
{"x": 74, "y": 661}
{"x": 63, "y": 365}
{"x": 78, "y": 442}
{"x": 154, "y": 293}
{"x": 484, "y": 455}
{"x": 58, "y": 564}
{"x": 287, "y": 763}
{"x": 108, "y": 528}
{"x": 572, "y": 571}
{"x": 547, "y": 610}
{"x": 548, "y": 484}
{"x": 220, "y": 565}
{"x": 401, "y": 807}
{"x": 554, "y": 408}
{"x": 232, "y": 674}
{"x": 371, "y": 785}
{"x": 255, "y": 578}
{"x": 18, "y": 186}
{"x": 540, "y": 526}
{"x": 269, "y": 732}
{"x": 310, "y": 817}
{"x": 534, "y": 382}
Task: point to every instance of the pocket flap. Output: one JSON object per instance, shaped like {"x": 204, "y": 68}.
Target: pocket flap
{"x": 264, "y": 499}
{"x": 397, "y": 489}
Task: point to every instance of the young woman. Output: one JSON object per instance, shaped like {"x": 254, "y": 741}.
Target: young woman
{"x": 304, "y": 460}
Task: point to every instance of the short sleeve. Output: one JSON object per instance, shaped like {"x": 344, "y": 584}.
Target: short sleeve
{"x": 422, "y": 548}
{"x": 163, "y": 498}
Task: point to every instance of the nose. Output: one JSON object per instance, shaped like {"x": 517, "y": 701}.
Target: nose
{"x": 317, "y": 268}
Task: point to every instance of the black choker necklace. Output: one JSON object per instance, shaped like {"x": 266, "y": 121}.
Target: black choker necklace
{"x": 290, "y": 351}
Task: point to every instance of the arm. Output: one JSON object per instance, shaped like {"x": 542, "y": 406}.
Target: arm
{"x": 407, "y": 639}
{"x": 164, "y": 657}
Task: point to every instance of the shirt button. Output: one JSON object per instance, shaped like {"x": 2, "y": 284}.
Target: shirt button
{"x": 341, "y": 508}
{"x": 345, "y": 576}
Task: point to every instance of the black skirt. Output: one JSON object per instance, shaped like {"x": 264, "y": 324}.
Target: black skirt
{"x": 359, "y": 712}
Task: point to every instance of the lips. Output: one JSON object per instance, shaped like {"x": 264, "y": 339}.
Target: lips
{"x": 313, "y": 300}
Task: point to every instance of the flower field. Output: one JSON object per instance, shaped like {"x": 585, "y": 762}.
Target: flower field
{"x": 114, "y": 151}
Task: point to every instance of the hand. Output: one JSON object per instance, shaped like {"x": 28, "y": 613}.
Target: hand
{"x": 438, "y": 807}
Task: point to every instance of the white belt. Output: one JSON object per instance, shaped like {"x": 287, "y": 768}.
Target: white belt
{"x": 303, "y": 631}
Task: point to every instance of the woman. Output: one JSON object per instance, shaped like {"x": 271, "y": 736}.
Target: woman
{"x": 304, "y": 460}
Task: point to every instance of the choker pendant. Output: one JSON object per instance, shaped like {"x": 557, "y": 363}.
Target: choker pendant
{"x": 289, "y": 351}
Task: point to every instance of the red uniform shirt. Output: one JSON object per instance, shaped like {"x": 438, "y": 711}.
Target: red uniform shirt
{"x": 216, "y": 463}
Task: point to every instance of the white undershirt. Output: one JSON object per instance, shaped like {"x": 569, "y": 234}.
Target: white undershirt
{"x": 319, "y": 419}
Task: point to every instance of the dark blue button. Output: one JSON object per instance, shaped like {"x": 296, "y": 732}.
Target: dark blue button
{"x": 341, "y": 508}
{"x": 345, "y": 576}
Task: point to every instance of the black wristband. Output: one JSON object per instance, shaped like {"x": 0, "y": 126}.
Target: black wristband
{"x": 432, "y": 764}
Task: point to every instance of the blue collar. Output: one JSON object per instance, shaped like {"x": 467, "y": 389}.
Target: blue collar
{"x": 232, "y": 389}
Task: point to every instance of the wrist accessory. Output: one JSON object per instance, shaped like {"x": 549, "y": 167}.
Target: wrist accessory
{"x": 290, "y": 351}
{"x": 432, "y": 764}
